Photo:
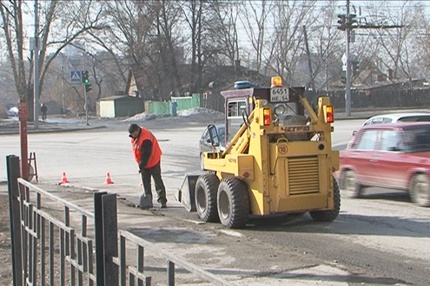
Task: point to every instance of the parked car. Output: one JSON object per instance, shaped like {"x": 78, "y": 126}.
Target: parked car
{"x": 392, "y": 118}
{"x": 13, "y": 111}
{"x": 205, "y": 142}
{"x": 393, "y": 155}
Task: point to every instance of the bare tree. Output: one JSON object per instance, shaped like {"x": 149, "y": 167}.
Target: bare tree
{"x": 145, "y": 36}
{"x": 221, "y": 37}
{"x": 423, "y": 45}
{"x": 193, "y": 13}
{"x": 327, "y": 44}
{"x": 395, "y": 46}
{"x": 58, "y": 28}
{"x": 287, "y": 42}
{"x": 13, "y": 27}
{"x": 255, "y": 16}
{"x": 168, "y": 40}
{"x": 127, "y": 42}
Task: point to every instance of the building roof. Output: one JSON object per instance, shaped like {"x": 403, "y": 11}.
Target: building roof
{"x": 119, "y": 97}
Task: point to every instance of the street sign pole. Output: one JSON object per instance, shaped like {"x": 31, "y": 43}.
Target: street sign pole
{"x": 86, "y": 105}
{"x": 348, "y": 65}
{"x": 36, "y": 90}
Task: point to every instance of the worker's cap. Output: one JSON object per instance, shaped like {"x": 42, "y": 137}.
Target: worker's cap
{"x": 133, "y": 128}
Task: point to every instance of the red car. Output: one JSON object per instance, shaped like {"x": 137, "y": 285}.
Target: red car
{"x": 393, "y": 155}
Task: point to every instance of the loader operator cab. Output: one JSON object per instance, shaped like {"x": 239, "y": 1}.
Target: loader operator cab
{"x": 283, "y": 103}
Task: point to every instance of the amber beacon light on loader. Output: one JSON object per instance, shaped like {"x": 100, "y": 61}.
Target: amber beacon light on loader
{"x": 278, "y": 159}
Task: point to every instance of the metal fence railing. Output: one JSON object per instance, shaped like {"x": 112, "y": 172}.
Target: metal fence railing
{"x": 56, "y": 242}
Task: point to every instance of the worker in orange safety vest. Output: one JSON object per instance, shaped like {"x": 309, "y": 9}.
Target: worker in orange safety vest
{"x": 147, "y": 153}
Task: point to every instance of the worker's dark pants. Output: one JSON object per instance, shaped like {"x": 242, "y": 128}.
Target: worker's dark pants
{"x": 155, "y": 173}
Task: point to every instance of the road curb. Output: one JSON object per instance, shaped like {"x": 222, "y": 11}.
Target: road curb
{"x": 50, "y": 130}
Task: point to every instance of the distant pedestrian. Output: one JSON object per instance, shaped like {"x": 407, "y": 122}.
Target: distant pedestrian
{"x": 147, "y": 153}
{"x": 44, "y": 110}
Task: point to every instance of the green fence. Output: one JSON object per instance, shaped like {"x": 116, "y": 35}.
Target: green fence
{"x": 176, "y": 104}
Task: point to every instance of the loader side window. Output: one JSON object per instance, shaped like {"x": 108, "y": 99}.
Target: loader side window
{"x": 235, "y": 108}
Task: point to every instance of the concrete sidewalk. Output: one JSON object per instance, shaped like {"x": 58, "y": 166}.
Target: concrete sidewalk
{"x": 51, "y": 125}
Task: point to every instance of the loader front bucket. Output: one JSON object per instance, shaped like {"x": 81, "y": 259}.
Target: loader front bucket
{"x": 185, "y": 194}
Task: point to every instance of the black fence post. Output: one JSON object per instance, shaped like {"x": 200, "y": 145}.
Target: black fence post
{"x": 98, "y": 225}
{"x": 14, "y": 218}
{"x": 110, "y": 239}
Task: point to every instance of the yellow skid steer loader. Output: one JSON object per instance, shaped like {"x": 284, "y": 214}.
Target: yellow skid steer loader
{"x": 278, "y": 159}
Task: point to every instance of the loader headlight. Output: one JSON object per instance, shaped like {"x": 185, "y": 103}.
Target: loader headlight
{"x": 280, "y": 109}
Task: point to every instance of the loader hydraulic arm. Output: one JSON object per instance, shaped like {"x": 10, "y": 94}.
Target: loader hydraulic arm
{"x": 313, "y": 116}
{"x": 238, "y": 135}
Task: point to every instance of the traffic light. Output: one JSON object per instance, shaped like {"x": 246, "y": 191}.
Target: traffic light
{"x": 85, "y": 77}
{"x": 344, "y": 22}
{"x": 88, "y": 87}
{"x": 352, "y": 21}
{"x": 343, "y": 79}
{"x": 86, "y": 81}
{"x": 341, "y": 22}
{"x": 355, "y": 68}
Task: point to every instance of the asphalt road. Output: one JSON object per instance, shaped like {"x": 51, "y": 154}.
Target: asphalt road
{"x": 382, "y": 239}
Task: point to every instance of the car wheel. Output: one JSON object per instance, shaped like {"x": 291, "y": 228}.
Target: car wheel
{"x": 419, "y": 190}
{"x": 350, "y": 185}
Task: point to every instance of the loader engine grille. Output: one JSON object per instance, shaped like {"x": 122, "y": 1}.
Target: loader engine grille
{"x": 303, "y": 175}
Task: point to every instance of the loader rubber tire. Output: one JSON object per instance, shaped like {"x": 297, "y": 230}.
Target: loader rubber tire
{"x": 205, "y": 197}
{"x": 233, "y": 202}
{"x": 329, "y": 215}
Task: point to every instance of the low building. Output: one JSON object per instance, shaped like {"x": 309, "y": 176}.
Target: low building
{"x": 120, "y": 106}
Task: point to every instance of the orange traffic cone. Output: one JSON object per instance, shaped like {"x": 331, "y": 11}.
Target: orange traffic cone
{"x": 108, "y": 179}
{"x": 63, "y": 179}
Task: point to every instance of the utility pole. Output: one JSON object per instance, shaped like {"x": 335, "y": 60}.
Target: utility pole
{"x": 36, "y": 66}
{"x": 86, "y": 105}
{"x": 309, "y": 59}
{"x": 87, "y": 88}
{"x": 63, "y": 111}
{"x": 347, "y": 22}
{"x": 348, "y": 64}
{"x": 23, "y": 103}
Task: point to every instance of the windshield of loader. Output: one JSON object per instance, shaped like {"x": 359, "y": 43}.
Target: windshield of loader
{"x": 286, "y": 107}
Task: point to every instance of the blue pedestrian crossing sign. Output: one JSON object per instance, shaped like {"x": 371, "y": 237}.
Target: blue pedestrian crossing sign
{"x": 76, "y": 77}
